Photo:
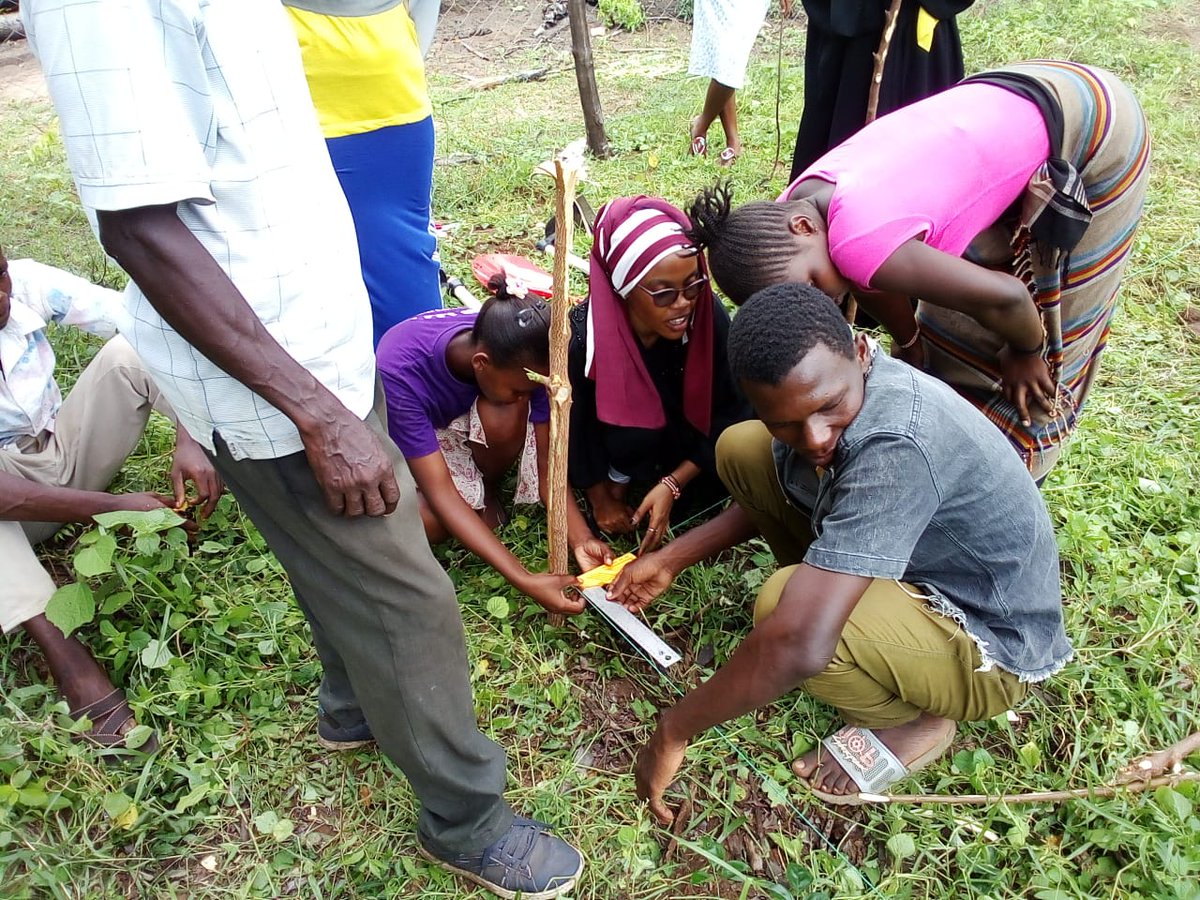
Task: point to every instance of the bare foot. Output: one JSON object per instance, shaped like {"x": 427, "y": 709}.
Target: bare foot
{"x": 729, "y": 155}
{"x": 909, "y": 742}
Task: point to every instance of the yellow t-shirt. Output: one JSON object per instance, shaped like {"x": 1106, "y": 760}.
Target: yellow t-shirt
{"x": 364, "y": 72}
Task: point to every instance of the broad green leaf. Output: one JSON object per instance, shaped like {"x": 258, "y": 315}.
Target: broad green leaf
{"x": 191, "y": 798}
{"x": 96, "y": 558}
{"x": 148, "y": 522}
{"x": 127, "y": 819}
{"x": 278, "y": 827}
{"x": 147, "y": 544}
{"x": 775, "y": 791}
{"x": 1173, "y": 803}
{"x": 265, "y": 822}
{"x": 34, "y": 795}
{"x": 116, "y": 803}
{"x": 283, "y": 829}
{"x": 1030, "y": 754}
{"x": 498, "y": 607}
{"x": 901, "y": 845}
{"x": 156, "y": 654}
{"x": 800, "y": 878}
{"x": 114, "y": 602}
{"x": 71, "y": 606}
{"x": 137, "y": 736}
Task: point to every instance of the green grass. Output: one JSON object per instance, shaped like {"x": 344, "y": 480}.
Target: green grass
{"x": 242, "y": 802}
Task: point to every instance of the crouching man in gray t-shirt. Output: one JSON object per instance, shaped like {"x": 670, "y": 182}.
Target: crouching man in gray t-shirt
{"x": 919, "y": 584}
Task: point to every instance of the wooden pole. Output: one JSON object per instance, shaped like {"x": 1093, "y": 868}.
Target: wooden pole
{"x": 585, "y": 75}
{"x": 880, "y": 57}
{"x": 559, "y": 385}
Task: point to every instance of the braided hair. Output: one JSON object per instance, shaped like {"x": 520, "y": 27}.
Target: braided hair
{"x": 778, "y": 327}
{"x": 514, "y": 327}
{"x": 749, "y": 248}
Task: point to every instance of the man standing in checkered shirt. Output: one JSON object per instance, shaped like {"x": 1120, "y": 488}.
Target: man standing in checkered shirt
{"x": 194, "y": 145}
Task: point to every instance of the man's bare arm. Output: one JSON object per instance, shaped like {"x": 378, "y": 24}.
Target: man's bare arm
{"x": 193, "y": 294}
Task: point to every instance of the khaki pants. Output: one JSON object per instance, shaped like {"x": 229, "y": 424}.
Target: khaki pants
{"x": 896, "y": 656}
{"x": 98, "y": 425}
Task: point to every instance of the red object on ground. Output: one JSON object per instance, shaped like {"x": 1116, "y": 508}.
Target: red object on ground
{"x": 514, "y": 268}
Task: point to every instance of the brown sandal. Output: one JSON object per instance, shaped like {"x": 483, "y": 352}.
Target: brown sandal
{"x": 108, "y": 716}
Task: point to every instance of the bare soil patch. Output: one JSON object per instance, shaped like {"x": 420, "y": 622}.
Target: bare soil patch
{"x": 20, "y": 76}
{"x": 478, "y": 40}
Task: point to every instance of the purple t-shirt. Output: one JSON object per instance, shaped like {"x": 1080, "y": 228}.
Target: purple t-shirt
{"x": 422, "y": 393}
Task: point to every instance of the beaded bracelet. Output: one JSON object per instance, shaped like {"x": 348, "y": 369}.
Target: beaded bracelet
{"x": 672, "y": 485}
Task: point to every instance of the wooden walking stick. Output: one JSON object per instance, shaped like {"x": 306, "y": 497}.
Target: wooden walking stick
{"x": 558, "y": 385}
{"x": 880, "y": 57}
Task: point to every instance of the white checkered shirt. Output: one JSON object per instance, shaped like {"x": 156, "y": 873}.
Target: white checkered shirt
{"x": 203, "y": 103}
{"x": 41, "y": 294}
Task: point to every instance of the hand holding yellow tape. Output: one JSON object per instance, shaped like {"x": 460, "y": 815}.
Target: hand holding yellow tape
{"x": 605, "y": 575}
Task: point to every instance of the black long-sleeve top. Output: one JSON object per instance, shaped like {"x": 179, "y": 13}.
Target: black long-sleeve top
{"x": 647, "y": 454}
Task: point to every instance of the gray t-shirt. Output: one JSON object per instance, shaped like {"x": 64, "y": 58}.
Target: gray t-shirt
{"x": 923, "y": 489}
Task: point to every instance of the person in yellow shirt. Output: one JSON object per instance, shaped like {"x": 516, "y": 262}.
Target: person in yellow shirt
{"x": 367, "y": 80}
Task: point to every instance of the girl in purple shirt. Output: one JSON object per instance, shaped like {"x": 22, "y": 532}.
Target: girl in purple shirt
{"x": 463, "y": 411}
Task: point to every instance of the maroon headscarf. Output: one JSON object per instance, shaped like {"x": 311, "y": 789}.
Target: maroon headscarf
{"x": 632, "y": 234}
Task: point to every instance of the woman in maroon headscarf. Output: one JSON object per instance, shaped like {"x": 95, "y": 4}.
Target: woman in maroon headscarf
{"x": 652, "y": 390}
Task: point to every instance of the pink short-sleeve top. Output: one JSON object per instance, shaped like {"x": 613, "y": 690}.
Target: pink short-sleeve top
{"x": 941, "y": 170}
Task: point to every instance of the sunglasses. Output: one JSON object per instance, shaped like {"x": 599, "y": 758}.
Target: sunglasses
{"x": 667, "y": 296}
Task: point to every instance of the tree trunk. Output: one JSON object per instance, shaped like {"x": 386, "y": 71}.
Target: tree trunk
{"x": 585, "y": 75}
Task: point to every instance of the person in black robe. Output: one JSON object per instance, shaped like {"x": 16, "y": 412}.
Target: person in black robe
{"x": 843, "y": 36}
{"x": 649, "y": 375}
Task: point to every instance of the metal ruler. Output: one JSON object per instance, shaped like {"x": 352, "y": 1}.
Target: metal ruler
{"x": 632, "y": 627}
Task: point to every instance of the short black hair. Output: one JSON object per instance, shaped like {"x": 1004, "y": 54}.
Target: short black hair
{"x": 513, "y": 330}
{"x": 749, "y": 248}
{"x": 778, "y": 326}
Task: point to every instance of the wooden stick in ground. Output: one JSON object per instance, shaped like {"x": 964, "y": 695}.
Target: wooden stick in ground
{"x": 881, "y": 55}
{"x": 559, "y": 385}
{"x": 585, "y": 76}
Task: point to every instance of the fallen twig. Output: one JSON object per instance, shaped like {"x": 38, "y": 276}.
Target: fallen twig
{"x": 683, "y": 815}
{"x": 485, "y": 84}
{"x": 471, "y": 49}
{"x": 1108, "y": 790}
{"x": 1154, "y": 764}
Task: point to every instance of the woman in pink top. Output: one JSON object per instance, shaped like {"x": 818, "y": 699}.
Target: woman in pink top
{"x": 1006, "y": 205}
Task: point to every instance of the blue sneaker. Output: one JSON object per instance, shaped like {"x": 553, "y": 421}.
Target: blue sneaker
{"x": 333, "y": 736}
{"x": 528, "y": 862}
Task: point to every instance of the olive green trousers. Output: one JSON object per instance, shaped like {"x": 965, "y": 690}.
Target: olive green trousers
{"x": 897, "y": 657}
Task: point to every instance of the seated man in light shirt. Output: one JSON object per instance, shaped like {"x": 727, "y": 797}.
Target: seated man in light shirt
{"x": 57, "y": 457}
